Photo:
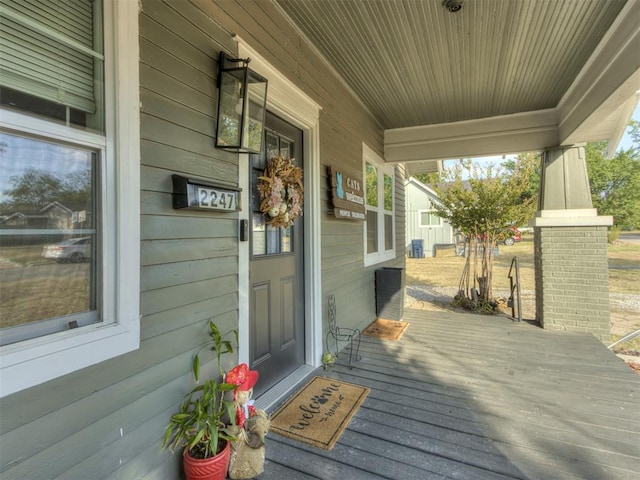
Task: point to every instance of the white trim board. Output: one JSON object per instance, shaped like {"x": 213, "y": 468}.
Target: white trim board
{"x": 291, "y": 104}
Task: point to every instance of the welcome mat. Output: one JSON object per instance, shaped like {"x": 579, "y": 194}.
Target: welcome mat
{"x": 386, "y": 329}
{"x": 319, "y": 412}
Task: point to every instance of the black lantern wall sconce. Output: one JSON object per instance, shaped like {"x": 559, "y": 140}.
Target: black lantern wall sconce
{"x": 242, "y": 98}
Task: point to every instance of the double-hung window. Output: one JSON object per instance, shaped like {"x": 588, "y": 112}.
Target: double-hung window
{"x": 69, "y": 187}
{"x": 380, "y": 208}
{"x": 429, "y": 218}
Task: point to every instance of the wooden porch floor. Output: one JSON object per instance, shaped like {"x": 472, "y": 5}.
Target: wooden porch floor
{"x": 474, "y": 397}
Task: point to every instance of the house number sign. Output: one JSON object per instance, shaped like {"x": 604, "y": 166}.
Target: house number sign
{"x": 201, "y": 195}
{"x": 216, "y": 199}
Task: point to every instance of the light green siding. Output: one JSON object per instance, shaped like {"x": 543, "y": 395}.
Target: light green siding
{"x": 106, "y": 421}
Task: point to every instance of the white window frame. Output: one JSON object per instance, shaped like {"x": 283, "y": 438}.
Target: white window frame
{"x": 382, "y": 255}
{"x": 431, "y": 212}
{"x": 35, "y": 361}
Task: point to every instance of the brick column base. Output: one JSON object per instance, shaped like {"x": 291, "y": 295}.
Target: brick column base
{"x": 572, "y": 279}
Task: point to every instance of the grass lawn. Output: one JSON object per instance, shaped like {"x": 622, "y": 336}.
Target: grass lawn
{"x": 624, "y": 279}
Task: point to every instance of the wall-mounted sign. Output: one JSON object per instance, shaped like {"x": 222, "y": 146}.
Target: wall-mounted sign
{"x": 201, "y": 195}
{"x": 347, "y": 194}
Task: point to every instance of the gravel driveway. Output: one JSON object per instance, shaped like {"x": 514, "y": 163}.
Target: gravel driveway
{"x": 444, "y": 295}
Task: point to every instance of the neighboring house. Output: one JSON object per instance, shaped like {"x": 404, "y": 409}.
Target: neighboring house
{"x": 53, "y": 215}
{"x": 22, "y": 220}
{"x": 88, "y": 387}
{"x": 422, "y": 221}
{"x": 58, "y": 215}
{"x": 53, "y": 221}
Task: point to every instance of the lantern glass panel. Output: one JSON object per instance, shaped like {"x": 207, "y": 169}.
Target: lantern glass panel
{"x": 231, "y": 108}
{"x": 256, "y": 97}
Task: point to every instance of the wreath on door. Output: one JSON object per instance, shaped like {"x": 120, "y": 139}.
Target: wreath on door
{"x": 282, "y": 192}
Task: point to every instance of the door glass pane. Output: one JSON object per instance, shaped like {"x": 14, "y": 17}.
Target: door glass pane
{"x": 48, "y": 233}
{"x": 285, "y": 148}
{"x": 273, "y": 146}
{"x": 273, "y": 239}
{"x": 258, "y": 160}
{"x": 286, "y": 240}
{"x": 255, "y": 194}
{"x": 258, "y": 238}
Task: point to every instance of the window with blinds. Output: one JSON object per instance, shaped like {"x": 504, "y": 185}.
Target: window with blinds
{"x": 51, "y": 66}
{"x": 51, "y": 59}
{"x": 69, "y": 187}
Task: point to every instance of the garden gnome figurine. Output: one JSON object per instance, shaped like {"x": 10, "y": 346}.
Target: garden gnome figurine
{"x": 245, "y": 380}
{"x": 247, "y": 452}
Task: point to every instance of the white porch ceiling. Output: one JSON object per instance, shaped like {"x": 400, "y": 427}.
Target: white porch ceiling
{"x": 498, "y": 76}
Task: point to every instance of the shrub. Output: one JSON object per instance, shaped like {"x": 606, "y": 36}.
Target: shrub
{"x": 612, "y": 234}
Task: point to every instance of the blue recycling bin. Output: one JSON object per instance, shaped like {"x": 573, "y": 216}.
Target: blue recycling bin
{"x": 417, "y": 248}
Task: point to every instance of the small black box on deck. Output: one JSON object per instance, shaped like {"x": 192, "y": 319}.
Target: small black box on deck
{"x": 390, "y": 293}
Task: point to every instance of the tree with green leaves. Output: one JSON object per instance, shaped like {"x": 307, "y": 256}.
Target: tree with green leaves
{"x": 615, "y": 182}
{"x": 532, "y": 162}
{"x": 483, "y": 204}
{"x": 34, "y": 189}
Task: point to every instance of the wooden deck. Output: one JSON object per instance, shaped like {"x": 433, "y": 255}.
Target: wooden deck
{"x": 474, "y": 397}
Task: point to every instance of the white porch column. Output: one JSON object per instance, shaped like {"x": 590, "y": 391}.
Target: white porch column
{"x": 572, "y": 280}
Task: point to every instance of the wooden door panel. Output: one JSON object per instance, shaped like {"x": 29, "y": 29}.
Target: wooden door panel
{"x": 261, "y": 327}
{"x": 287, "y": 312}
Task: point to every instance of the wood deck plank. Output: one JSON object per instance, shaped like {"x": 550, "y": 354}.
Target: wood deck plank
{"x": 466, "y": 396}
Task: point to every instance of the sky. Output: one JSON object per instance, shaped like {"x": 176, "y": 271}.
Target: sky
{"x": 625, "y": 142}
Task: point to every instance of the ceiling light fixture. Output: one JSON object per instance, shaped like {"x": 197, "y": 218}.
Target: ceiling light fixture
{"x": 453, "y": 5}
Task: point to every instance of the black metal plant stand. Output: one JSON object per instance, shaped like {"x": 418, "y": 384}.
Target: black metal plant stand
{"x": 341, "y": 334}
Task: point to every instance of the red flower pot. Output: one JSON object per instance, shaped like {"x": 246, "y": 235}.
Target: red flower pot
{"x": 213, "y": 468}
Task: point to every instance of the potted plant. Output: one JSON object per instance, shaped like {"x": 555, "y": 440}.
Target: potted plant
{"x": 202, "y": 424}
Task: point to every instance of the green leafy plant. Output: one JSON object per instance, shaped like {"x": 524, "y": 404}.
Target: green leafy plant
{"x": 483, "y": 204}
{"x": 613, "y": 234}
{"x": 200, "y": 424}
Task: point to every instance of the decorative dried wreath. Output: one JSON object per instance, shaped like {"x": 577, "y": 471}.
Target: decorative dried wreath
{"x": 282, "y": 192}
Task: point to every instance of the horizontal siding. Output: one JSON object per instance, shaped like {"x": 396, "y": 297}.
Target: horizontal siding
{"x": 401, "y": 212}
{"x": 344, "y": 124}
{"x": 197, "y": 164}
{"x": 196, "y": 313}
{"x": 156, "y": 251}
{"x": 106, "y": 421}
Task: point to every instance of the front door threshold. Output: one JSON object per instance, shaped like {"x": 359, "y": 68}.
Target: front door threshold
{"x": 279, "y": 392}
